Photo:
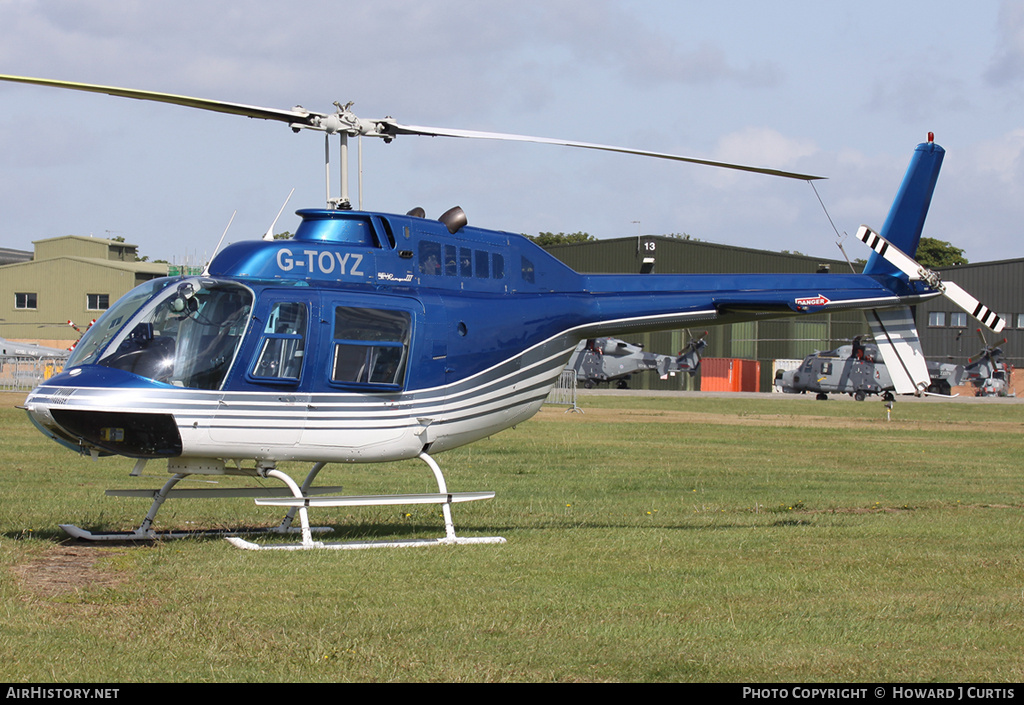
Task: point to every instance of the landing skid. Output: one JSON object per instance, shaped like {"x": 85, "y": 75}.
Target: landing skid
{"x": 355, "y": 545}
{"x": 302, "y": 503}
{"x": 145, "y": 532}
{"x": 151, "y": 535}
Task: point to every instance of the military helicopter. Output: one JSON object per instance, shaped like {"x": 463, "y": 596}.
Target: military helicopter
{"x": 11, "y": 349}
{"x": 858, "y": 369}
{"x": 988, "y": 372}
{"x": 598, "y": 360}
{"x": 24, "y": 364}
{"x": 372, "y": 337}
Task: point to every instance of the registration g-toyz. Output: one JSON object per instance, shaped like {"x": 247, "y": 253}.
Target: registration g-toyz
{"x": 371, "y": 337}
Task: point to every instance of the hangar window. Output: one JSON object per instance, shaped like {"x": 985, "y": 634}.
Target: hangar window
{"x": 958, "y": 320}
{"x": 25, "y": 301}
{"x": 97, "y": 302}
{"x": 936, "y": 319}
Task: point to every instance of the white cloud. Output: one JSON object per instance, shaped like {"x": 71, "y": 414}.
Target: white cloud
{"x": 1001, "y": 159}
{"x": 1007, "y": 65}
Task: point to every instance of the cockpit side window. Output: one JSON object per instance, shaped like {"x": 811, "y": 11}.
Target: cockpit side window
{"x": 282, "y": 348}
{"x": 370, "y": 346}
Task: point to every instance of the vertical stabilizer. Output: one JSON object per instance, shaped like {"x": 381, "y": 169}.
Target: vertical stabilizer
{"x": 905, "y": 221}
{"x": 896, "y": 337}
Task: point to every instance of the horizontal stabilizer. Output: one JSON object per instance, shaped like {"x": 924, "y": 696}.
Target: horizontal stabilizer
{"x": 896, "y": 337}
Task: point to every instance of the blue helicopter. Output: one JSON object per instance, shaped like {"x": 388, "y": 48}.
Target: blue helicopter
{"x": 371, "y": 337}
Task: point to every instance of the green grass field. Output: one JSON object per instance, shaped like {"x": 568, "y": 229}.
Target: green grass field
{"x": 649, "y": 539}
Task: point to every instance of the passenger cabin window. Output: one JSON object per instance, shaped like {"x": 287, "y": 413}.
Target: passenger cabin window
{"x": 430, "y": 258}
{"x": 527, "y": 269}
{"x": 282, "y": 349}
{"x": 451, "y": 261}
{"x": 454, "y": 261}
{"x": 370, "y": 346}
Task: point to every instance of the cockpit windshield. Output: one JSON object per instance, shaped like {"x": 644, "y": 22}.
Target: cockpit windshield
{"x": 103, "y": 330}
{"x": 186, "y": 335}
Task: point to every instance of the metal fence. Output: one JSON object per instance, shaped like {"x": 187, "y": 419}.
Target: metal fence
{"x": 24, "y": 373}
{"x": 564, "y": 391}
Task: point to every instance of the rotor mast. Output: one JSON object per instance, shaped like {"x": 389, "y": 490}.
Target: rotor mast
{"x": 342, "y": 202}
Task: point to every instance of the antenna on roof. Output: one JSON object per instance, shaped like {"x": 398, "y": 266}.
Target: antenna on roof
{"x": 206, "y": 267}
{"x": 270, "y": 231}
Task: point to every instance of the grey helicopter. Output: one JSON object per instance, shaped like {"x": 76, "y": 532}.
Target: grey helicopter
{"x": 13, "y": 350}
{"x": 988, "y": 371}
{"x": 858, "y": 369}
{"x": 25, "y": 364}
{"x": 611, "y": 360}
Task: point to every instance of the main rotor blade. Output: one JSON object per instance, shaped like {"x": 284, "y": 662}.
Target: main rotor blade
{"x": 387, "y": 128}
{"x": 399, "y": 129}
{"x": 303, "y": 117}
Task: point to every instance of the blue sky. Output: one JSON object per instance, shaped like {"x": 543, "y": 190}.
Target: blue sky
{"x": 838, "y": 89}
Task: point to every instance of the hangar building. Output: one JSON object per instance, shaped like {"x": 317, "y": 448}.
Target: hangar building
{"x": 67, "y": 278}
{"x": 950, "y": 335}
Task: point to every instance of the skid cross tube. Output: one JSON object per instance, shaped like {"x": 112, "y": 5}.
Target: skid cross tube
{"x": 302, "y": 503}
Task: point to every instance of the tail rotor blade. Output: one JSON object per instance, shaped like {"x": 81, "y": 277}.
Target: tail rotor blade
{"x": 953, "y": 291}
{"x": 890, "y": 252}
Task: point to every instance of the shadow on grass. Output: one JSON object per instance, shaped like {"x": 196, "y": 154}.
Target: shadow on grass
{"x": 372, "y": 531}
{"x": 347, "y": 532}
